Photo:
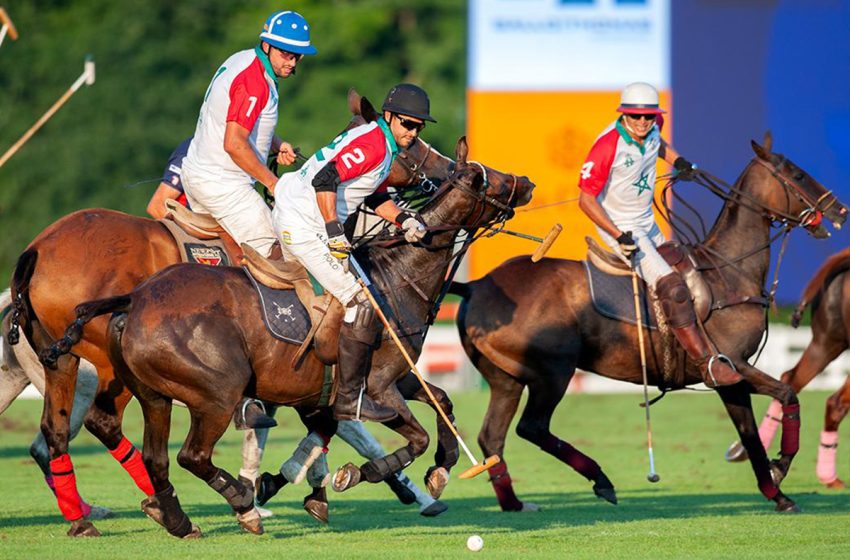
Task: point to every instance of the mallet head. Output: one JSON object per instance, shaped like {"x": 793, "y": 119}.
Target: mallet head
{"x": 89, "y": 69}
{"x": 6, "y": 21}
{"x": 653, "y": 477}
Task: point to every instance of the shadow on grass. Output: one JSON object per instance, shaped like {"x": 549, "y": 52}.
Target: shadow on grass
{"x": 558, "y": 510}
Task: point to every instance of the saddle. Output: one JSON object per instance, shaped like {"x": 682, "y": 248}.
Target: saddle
{"x": 677, "y": 256}
{"x": 325, "y": 311}
{"x": 199, "y": 237}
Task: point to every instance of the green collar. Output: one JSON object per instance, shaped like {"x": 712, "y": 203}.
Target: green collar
{"x": 385, "y": 128}
{"x": 628, "y": 138}
{"x": 264, "y": 58}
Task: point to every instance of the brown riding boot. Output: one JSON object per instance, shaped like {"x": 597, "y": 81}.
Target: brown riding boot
{"x": 676, "y": 304}
{"x": 357, "y": 338}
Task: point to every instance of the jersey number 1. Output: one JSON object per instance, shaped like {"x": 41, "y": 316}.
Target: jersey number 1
{"x": 253, "y": 101}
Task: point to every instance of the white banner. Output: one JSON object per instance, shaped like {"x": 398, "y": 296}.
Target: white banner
{"x": 562, "y": 45}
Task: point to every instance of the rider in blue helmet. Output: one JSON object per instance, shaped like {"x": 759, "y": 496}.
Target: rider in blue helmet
{"x": 235, "y": 132}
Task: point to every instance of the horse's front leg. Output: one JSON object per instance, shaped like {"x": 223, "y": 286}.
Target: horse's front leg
{"x": 764, "y": 384}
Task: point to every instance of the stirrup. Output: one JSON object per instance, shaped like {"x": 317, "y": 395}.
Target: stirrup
{"x": 721, "y": 357}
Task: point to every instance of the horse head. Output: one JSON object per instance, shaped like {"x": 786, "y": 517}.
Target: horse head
{"x": 800, "y": 200}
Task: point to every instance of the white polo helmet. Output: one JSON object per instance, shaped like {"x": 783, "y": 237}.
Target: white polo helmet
{"x": 639, "y": 98}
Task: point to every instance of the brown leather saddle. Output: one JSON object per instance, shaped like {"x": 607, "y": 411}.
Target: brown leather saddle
{"x": 677, "y": 256}
{"x": 199, "y": 237}
{"x": 325, "y": 310}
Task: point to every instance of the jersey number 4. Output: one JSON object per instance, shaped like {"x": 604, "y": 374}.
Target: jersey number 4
{"x": 585, "y": 170}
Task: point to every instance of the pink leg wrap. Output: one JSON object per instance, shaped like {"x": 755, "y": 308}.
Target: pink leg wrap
{"x": 771, "y": 420}
{"x": 582, "y": 464}
{"x": 790, "y": 442}
{"x": 503, "y": 486}
{"x": 65, "y": 485}
{"x": 131, "y": 460}
{"x": 826, "y": 457}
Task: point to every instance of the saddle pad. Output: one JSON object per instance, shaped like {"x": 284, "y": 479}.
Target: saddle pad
{"x": 612, "y": 297}
{"x": 201, "y": 251}
{"x": 284, "y": 315}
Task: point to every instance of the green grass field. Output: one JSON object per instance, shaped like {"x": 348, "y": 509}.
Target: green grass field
{"x": 702, "y": 508}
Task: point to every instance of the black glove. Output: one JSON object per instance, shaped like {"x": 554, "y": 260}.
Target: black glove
{"x": 337, "y": 242}
{"x": 684, "y": 169}
{"x": 627, "y": 244}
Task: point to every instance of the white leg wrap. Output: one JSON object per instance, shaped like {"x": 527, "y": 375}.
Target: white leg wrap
{"x": 308, "y": 450}
{"x": 318, "y": 475}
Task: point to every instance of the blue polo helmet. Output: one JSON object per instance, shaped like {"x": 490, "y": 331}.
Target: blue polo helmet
{"x": 288, "y": 31}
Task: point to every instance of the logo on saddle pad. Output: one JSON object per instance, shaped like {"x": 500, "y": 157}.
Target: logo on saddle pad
{"x": 204, "y": 254}
{"x": 285, "y": 314}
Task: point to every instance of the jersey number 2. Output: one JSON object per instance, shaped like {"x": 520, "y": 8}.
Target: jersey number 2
{"x": 354, "y": 156}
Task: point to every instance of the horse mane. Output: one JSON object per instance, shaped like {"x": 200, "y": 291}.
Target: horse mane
{"x": 829, "y": 270}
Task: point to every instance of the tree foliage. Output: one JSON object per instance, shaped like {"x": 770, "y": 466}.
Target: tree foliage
{"x": 108, "y": 145}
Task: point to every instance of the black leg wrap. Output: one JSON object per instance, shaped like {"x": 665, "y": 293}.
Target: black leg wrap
{"x": 14, "y": 335}
{"x": 379, "y": 469}
{"x": 240, "y": 498}
{"x": 172, "y": 517}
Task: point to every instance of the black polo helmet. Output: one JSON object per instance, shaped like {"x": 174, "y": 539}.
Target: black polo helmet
{"x": 410, "y": 100}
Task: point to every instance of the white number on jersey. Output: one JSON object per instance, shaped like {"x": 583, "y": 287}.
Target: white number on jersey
{"x": 585, "y": 170}
{"x": 354, "y": 156}
{"x": 253, "y": 100}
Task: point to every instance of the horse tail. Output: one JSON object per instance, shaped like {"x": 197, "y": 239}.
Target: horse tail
{"x": 21, "y": 306}
{"x": 829, "y": 270}
{"x": 74, "y": 333}
{"x": 461, "y": 289}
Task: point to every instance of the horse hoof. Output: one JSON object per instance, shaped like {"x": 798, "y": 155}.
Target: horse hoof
{"x": 530, "y": 507}
{"x": 787, "y": 506}
{"x": 436, "y": 481}
{"x": 265, "y": 488}
{"x": 195, "y": 533}
{"x": 317, "y": 509}
{"x": 347, "y": 476}
{"x": 607, "y": 494}
{"x": 99, "y": 512}
{"x": 736, "y": 453}
{"x": 150, "y": 507}
{"x": 251, "y": 521}
{"x": 82, "y": 527}
{"x": 433, "y": 510}
{"x": 836, "y": 484}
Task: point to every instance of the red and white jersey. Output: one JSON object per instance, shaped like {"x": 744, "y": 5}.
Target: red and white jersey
{"x": 243, "y": 90}
{"x": 362, "y": 156}
{"x": 621, "y": 174}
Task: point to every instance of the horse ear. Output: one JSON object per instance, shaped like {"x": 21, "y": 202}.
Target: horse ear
{"x": 768, "y": 141}
{"x": 353, "y": 101}
{"x": 461, "y": 150}
{"x": 760, "y": 152}
{"x": 367, "y": 110}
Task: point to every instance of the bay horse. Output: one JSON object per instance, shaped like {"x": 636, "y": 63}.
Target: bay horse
{"x": 97, "y": 253}
{"x": 828, "y": 296}
{"x": 531, "y": 325}
{"x": 196, "y": 334}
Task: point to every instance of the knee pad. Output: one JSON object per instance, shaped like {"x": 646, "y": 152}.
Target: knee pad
{"x": 675, "y": 298}
{"x": 361, "y": 322}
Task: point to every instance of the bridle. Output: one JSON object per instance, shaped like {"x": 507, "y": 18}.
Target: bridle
{"x": 414, "y": 170}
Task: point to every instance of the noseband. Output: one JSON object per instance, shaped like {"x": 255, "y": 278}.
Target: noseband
{"x": 417, "y": 176}
{"x": 816, "y": 207}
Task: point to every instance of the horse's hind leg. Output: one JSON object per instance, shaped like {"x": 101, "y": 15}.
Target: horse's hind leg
{"x": 544, "y": 394}
{"x": 837, "y": 406}
{"x": 738, "y": 404}
{"x": 196, "y": 457}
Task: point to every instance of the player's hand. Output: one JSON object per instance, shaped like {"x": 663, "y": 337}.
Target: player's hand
{"x": 286, "y": 154}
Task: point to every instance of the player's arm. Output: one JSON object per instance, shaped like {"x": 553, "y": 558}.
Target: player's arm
{"x": 156, "y": 205}
{"x": 238, "y": 147}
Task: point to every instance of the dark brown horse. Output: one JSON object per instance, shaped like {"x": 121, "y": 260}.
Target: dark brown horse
{"x": 97, "y": 253}
{"x": 531, "y": 325}
{"x": 196, "y": 334}
{"x": 828, "y": 295}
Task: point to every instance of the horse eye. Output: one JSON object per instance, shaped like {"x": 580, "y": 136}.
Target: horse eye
{"x": 798, "y": 176}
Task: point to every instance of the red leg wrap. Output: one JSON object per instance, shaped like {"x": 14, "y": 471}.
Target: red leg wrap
{"x": 562, "y": 450}
{"x": 790, "y": 442}
{"x": 768, "y": 488}
{"x": 503, "y": 486}
{"x": 131, "y": 460}
{"x": 65, "y": 485}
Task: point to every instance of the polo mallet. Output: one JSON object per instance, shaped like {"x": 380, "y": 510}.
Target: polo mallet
{"x": 477, "y": 468}
{"x": 87, "y": 77}
{"x": 652, "y": 476}
{"x": 7, "y": 28}
{"x": 545, "y": 242}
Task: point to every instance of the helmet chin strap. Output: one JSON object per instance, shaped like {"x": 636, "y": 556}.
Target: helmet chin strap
{"x": 632, "y": 130}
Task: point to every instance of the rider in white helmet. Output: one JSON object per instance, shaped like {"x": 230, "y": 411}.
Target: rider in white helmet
{"x": 617, "y": 186}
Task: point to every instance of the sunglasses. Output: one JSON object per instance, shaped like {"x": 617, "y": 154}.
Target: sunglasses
{"x": 649, "y": 117}
{"x": 289, "y": 55}
{"x": 410, "y": 124}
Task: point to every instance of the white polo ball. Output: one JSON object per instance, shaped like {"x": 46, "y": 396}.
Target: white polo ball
{"x": 474, "y": 543}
